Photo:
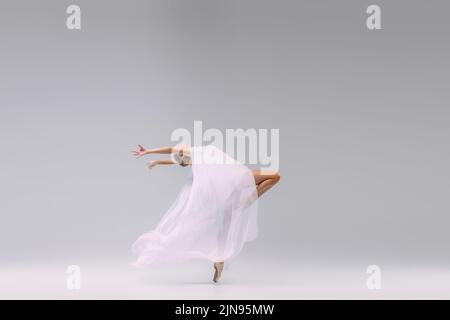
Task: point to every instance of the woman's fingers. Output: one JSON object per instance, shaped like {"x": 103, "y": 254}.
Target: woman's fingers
{"x": 139, "y": 152}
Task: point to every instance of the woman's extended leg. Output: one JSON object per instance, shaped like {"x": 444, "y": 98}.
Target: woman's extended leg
{"x": 264, "y": 180}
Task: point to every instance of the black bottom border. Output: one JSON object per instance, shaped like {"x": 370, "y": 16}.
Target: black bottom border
{"x": 224, "y": 309}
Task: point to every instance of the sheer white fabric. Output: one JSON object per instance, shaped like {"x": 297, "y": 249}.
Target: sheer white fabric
{"x": 214, "y": 214}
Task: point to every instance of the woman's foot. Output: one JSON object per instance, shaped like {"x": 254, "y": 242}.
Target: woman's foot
{"x": 218, "y": 267}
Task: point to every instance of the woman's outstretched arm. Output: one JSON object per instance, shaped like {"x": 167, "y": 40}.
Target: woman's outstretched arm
{"x": 141, "y": 151}
{"x": 153, "y": 163}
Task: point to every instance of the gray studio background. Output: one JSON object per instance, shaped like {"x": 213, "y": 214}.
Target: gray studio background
{"x": 363, "y": 118}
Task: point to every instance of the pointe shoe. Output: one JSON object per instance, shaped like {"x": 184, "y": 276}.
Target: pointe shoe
{"x": 218, "y": 268}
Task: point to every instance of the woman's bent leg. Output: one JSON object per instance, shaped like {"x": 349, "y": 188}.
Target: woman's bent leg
{"x": 265, "y": 181}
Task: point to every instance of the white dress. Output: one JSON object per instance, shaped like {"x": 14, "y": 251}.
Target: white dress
{"x": 214, "y": 214}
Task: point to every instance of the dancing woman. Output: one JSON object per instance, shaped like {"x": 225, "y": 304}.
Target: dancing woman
{"x": 214, "y": 214}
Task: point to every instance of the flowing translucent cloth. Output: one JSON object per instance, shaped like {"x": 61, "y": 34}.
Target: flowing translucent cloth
{"x": 214, "y": 214}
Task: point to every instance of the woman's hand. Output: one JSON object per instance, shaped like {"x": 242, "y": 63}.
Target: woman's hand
{"x": 139, "y": 152}
{"x": 151, "y": 164}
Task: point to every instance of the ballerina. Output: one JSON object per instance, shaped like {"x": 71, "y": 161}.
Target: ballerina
{"x": 215, "y": 212}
